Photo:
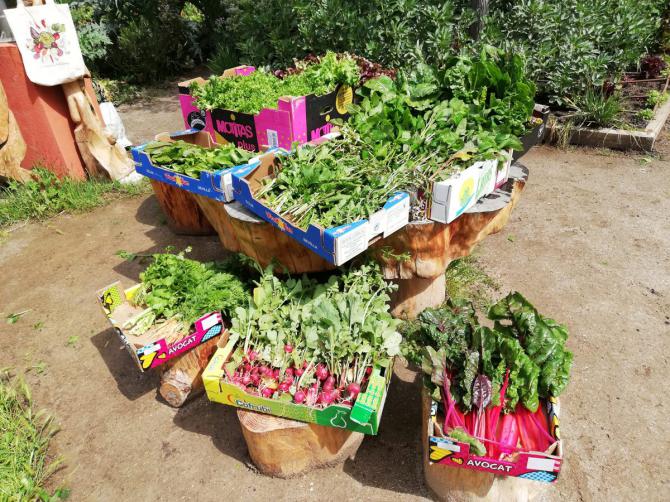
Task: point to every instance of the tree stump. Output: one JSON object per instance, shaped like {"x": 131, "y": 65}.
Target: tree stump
{"x": 456, "y": 484}
{"x": 424, "y": 249}
{"x": 242, "y": 231}
{"x": 181, "y": 378}
{"x": 183, "y": 214}
{"x": 285, "y": 448}
{"x": 12, "y": 145}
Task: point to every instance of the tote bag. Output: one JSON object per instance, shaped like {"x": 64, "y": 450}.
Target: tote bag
{"x": 47, "y": 41}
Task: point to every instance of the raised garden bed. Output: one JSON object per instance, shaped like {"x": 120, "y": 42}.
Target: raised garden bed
{"x": 641, "y": 128}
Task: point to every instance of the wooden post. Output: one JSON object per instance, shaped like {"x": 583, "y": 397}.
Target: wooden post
{"x": 183, "y": 214}
{"x": 181, "y": 378}
{"x": 417, "y": 256}
{"x": 481, "y": 7}
{"x": 284, "y": 448}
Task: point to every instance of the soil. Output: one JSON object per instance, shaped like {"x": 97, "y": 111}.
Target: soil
{"x": 588, "y": 245}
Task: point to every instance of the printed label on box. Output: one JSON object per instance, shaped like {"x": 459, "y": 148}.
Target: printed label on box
{"x": 273, "y": 138}
{"x": 354, "y": 242}
{"x": 236, "y": 128}
{"x": 397, "y": 216}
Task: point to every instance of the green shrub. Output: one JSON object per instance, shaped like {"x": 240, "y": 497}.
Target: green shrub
{"x": 573, "y": 45}
{"x": 595, "y": 109}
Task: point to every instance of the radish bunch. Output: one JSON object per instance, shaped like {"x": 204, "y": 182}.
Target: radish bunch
{"x": 313, "y": 342}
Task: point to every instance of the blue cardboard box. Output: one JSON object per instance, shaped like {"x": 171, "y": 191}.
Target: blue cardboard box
{"x": 215, "y": 183}
{"x": 336, "y": 245}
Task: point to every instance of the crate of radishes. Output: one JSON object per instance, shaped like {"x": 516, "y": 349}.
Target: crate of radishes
{"x": 319, "y": 352}
{"x": 255, "y": 109}
{"x": 192, "y": 161}
{"x": 493, "y": 391}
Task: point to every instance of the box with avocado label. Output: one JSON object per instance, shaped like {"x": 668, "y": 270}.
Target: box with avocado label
{"x": 214, "y": 182}
{"x": 150, "y": 344}
{"x": 296, "y": 119}
{"x": 364, "y": 416}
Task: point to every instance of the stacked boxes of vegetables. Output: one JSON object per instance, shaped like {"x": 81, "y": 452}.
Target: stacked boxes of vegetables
{"x": 494, "y": 390}
{"x": 437, "y": 140}
{"x": 190, "y": 160}
{"x": 312, "y": 351}
{"x": 256, "y": 109}
{"x": 178, "y": 305}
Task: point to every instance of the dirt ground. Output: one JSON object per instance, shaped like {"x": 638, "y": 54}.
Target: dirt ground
{"x": 588, "y": 245}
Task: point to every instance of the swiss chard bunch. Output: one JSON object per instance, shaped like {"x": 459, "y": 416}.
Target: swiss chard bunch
{"x": 173, "y": 286}
{"x": 190, "y": 160}
{"x": 313, "y": 342}
{"x": 524, "y": 345}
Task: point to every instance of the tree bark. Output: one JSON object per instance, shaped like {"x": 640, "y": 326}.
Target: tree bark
{"x": 285, "y": 448}
{"x": 183, "y": 214}
{"x": 481, "y": 7}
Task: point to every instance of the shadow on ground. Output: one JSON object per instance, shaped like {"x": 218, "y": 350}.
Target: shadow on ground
{"x": 130, "y": 381}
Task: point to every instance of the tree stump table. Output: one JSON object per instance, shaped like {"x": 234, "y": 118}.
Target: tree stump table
{"x": 284, "y": 448}
{"x": 242, "y": 231}
{"x": 183, "y": 214}
{"x": 417, "y": 256}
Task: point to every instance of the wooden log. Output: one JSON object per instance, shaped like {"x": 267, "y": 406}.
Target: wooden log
{"x": 183, "y": 214}
{"x": 181, "y": 378}
{"x": 425, "y": 248}
{"x": 416, "y": 294}
{"x": 12, "y": 145}
{"x": 284, "y": 448}
{"x": 242, "y": 231}
{"x": 456, "y": 484}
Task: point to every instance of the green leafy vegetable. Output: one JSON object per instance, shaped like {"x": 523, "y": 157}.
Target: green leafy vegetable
{"x": 190, "y": 160}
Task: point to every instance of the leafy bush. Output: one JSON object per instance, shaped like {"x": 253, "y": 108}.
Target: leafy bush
{"x": 575, "y": 45}
{"x": 93, "y": 36}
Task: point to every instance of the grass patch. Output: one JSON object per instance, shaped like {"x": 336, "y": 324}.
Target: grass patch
{"x": 466, "y": 280}
{"x": 24, "y": 443}
{"x": 46, "y": 196}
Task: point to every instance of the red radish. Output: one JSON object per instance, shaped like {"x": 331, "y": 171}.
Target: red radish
{"x": 246, "y": 380}
{"x": 299, "y": 371}
{"x": 321, "y": 372}
{"x": 289, "y": 372}
{"x": 326, "y": 397}
{"x": 312, "y": 394}
{"x": 284, "y": 386}
{"x": 255, "y": 379}
{"x": 368, "y": 370}
{"x": 276, "y": 373}
{"x": 299, "y": 397}
{"x": 329, "y": 384}
{"x": 265, "y": 371}
{"x": 288, "y": 348}
{"x": 267, "y": 392}
{"x": 252, "y": 355}
{"x": 353, "y": 389}
{"x": 288, "y": 378}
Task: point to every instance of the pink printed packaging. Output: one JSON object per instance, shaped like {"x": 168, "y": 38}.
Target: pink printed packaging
{"x": 543, "y": 466}
{"x": 297, "y": 119}
{"x": 151, "y": 348}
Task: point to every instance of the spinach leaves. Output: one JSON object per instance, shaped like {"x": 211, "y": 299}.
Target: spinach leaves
{"x": 190, "y": 160}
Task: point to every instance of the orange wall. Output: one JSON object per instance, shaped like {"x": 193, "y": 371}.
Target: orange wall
{"x": 43, "y": 118}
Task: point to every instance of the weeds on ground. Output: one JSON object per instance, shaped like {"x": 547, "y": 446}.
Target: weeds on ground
{"x": 24, "y": 444}
{"x": 46, "y": 196}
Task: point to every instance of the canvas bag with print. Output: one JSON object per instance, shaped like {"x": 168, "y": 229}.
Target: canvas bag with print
{"x": 47, "y": 40}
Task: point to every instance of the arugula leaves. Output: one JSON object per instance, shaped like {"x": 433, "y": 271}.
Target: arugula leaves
{"x": 190, "y": 160}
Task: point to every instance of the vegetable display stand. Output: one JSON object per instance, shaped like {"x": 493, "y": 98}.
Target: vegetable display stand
{"x": 466, "y": 485}
{"x": 182, "y": 377}
{"x": 284, "y": 448}
{"x": 242, "y": 231}
{"x": 416, "y": 256}
{"x": 183, "y": 214}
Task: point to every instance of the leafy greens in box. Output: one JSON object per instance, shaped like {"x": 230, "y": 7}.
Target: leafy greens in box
{"x": 261, "y": 89}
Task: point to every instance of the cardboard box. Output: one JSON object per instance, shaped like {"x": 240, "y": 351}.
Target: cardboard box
{"x": 336, "y": 245}
{"x": 537, "y": 466}
{"x": 536, "y": 134}
{"x": 502, "y": 174}
{"x": 215, "y": 183}
{"x": 150, "y": 349}
{"x": 296, "y": 119}
{"x": 458, "y": 193}
{"x": 364, "y": 416}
